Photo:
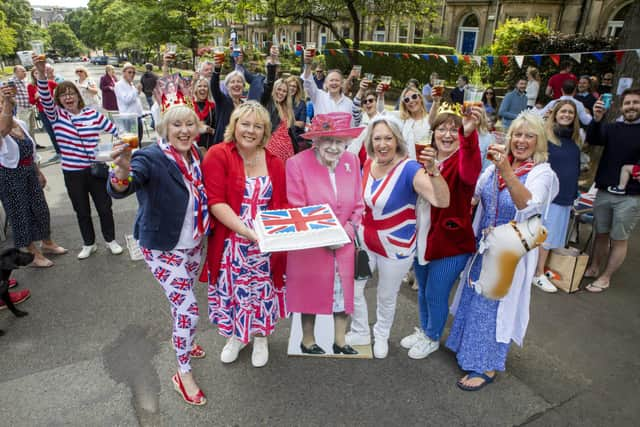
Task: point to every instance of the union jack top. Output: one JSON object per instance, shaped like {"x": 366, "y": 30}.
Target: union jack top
{"x": 77, "y": 135}
{"x": 389, "y": 221}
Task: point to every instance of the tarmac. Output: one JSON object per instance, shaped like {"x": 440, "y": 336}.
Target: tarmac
{"x": 95, "y": 351}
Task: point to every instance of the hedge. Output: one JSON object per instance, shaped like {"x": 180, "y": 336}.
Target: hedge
{"x": 395, "y": 64}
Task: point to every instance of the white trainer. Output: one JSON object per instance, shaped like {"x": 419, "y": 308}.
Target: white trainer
{"x": 423, "y": 348}
{"x": 543, "y": 283}
{"x": 411, "y": 340}
{"x": 260, "y": 355}
{"x": 114, "y": 247}
{"x": 380, "y": 348}
{"x": 230, "y": 350}
{"x": 86, "y": 251}
{"x": 357, "y": 339}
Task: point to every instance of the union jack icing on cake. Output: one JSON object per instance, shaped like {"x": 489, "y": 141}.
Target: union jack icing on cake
{"x": 299, "y": 228}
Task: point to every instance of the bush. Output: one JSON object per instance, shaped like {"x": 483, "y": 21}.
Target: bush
{"x": 395, "y": 64}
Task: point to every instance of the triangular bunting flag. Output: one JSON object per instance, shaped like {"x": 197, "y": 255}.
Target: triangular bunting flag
{"x": 538, "y": 59}
{"x": 380, "y": 53}
{"x": 638, "y": 53}
{"x": 576, "y": 57}
{"x": 489, "y": 61}
{"x": 555, "y": 58}
{"x": 444, "y": 58}
{"x": 425, "y": 56}
{"x": 405, "y": 56}
{"x": 519, "y": 60}
{"x": 619, "y": 55}
{"x": 454, "y": 58}
{"x": 361, "y": 52}
{"x": 477, "y": 59}
{"x": 368, "y": 53}
{"x": 397, "y": 55}
{"x": 436, "y": 55}
{"x": 466, "y": 59}
{"x": 333, "y": 52}
{"x": 598, "y": 55}
{"x": 415, "y": 55}
{"x": 504, "y": 59}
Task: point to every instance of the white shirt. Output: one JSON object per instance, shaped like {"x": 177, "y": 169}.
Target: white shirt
{"x": 322, "y": 101}
{"x": 127, "y": 96}
{"x": 413, "y": 131}
{"x": 9, "y": 150}
{"x": 583, "y": 115}
{"x": 533, "y": 87}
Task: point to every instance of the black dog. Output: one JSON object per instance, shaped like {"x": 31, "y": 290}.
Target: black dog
{"x": 9, "y": 261}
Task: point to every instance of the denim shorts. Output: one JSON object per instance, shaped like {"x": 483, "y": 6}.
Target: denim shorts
{"x": 616, "y": 215}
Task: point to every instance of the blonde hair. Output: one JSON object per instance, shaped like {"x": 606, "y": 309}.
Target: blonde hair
{"x": 195, "y": 86}
{"x": 300, "y": 92}
{"x": 109, "y": 68}
{"x": 285, "y": 108}
{"x": 244, "y": 109}
{"x": 535, "y": 124}
{"x": 533, "y": 72}
{"x": 177, "y": 112}
{"x": 551, "y": 123}
{"x": 404, "y": 113}
{"x": 396, "y": 130}
{"x": 83, "y": 69}
{"x": 127, "y": 65}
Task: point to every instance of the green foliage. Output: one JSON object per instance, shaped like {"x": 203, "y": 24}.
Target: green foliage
{"x": 509, "y": 35}
{"x": 7, "y": 37}
{"x": 63, "y": 40}
{"x": 402, "y": 68}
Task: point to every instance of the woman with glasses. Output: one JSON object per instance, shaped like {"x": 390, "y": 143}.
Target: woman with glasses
{"x": 392, "y": 183}
{"x": 364, "y": 110}
{"x": 445, "y": 239}
{"x": 414, "y": 117}
{"x": 519, "y": 185}
{"x": 88, "y": 88}
{"x": 77, "y": 129}
{"x": 489, "y": 102}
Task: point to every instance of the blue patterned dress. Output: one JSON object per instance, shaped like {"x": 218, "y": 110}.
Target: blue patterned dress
{"x": 473, "y": 333}
{"x": 244, "y": 302}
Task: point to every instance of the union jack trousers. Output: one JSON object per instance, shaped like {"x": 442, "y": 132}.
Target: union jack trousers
{"x": 176, "y": 272}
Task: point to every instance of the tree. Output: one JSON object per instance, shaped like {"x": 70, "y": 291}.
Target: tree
{"x": 18, "y": 15}
{"x": 76, "y": 20}
{"x": 63, "y": 40}
{"x": 329, "y": 12}
{"x": 7, "y": 37}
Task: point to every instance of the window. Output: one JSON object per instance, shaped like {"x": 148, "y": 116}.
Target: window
{"x": 468, "y": 34}
{"x": 403, "y": 34}
{"x": 298, "y": 36}
{"x": 614, "y": 26}
{"x": 418, "y": 35}
{"x": 471, "y": 21}
{"x": 379, "y": 35}
{"x": 346, "y": 33}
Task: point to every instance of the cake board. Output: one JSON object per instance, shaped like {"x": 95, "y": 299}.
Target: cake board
{"x": 324, "y": 338}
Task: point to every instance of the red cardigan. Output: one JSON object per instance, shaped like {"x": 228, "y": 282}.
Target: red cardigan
{"x": 32, "y": 91}
{"x": 224, "y": 181}
{"x": 451, "y": 231}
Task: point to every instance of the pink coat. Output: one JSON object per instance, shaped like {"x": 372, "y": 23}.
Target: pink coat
{"x": 310, "y": 272}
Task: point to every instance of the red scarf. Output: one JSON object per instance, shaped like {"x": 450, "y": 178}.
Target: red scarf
{"x": 204, "y": 113}
{"x": 523, "y": 169}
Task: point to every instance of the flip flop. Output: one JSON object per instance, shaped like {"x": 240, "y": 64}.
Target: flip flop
{"x": 56, "y": 250}
{"x": 589, "y": 275}
{"x": 595, "y": 287}
{"x": 487, "y": 380}
{"x": 42, "y": 264}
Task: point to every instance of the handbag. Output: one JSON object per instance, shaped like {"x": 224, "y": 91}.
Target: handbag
{"x": 361, "y": 270}
{"x": 567, "y": 266}
{"x": 99, "y": 170}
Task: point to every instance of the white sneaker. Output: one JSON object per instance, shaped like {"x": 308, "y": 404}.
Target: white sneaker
{"x": 260, "y": 355}
{"x": 230, "y": 350}
{"x": 411, "y": 340}
{"x": 87, "y": 251}
{"x": 423, "y": 348}
{"x": 357, "y": 339}
{"x": 114, "y": 247}
{"x": 542, "y": 283}
{"x": 380, "y": 348}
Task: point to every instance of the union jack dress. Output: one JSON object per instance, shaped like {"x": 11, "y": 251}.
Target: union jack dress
{"x": 389, "y": 221}
{"x": 244, "y": 302}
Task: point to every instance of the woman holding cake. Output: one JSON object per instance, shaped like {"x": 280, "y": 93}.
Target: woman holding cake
{"x": 392, "y": 184}
{"x": 326, "y": 174}
{"x": 245, "y": 286}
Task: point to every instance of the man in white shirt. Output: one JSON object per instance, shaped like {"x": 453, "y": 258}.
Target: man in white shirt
{"x": 330, "y": 100}
{"x": 128, "y": 95}
{"x": 568, "y": 92}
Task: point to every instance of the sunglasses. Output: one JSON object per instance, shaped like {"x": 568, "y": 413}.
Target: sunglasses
{"x": 413, "y": 97}
{"x": 369, "y": 101}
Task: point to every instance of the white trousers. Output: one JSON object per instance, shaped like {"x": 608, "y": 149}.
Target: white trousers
{"x": 390, "y": 275}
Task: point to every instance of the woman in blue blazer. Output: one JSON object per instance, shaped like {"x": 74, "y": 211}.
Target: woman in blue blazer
{"x": 172, "y": 219}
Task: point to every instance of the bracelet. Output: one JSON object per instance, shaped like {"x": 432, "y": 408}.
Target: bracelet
{"x": 117, "y": 181}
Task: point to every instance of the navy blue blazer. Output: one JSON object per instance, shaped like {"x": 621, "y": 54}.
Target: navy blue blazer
{"x": 162, "y": 198}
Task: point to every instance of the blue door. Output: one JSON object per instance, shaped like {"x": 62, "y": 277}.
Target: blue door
{"x": 468, "y": 42}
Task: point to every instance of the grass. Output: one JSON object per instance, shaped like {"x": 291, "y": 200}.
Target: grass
{"x": 6, "y": 72}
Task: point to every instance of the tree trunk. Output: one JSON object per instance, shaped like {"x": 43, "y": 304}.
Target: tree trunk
{"x": 629, "y": 36}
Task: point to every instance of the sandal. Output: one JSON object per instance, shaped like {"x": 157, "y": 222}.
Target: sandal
{"x": 589, "y": 275}
{"x": 596, "y": 287}
{"x": 55, "y": 250}
{"x": 198, "y": 400}
{"x": 46, "y": 263}
{"x": 487, "y": 380}
{"x": 197, "y": 352}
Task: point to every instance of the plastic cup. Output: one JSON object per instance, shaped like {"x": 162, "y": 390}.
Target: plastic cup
{"x": 422, "y": 144}
{"x": 38, "y": 49}
{"x": 218, "y": 54}
{"x": 172, "y": 48}
{"x": 127, "y": 125}
{"x": 438, "y": 87}
{"x": 386, "y": 82}
{"x": 499, "y": 138}
{"x": 311, "y": 48}
{"x": 472, "y": 98}
{"x": 357, "y": 69}
{"x": 103, "y": 151}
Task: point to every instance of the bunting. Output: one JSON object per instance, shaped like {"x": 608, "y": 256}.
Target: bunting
{"x": 477, "y": 59}
{"x": 619, "y": 55}
{"x": 576, "y": 57}
{"x": 519, "y": 60}
{"x": 555, "y": 58}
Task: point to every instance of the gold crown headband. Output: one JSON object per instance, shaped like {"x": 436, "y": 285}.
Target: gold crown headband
{"x": 446, "y": 108}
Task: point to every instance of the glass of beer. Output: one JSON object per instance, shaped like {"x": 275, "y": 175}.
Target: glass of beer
{"x": 357, "y": 69}
{"x": 172, "y": 48}
{"x": 370, "y": 77}
{"x": 438, "y": 87}
{"x": 472, "y": 98}
{"x": 127, "y": 125}
{"x": 218, "y": 54}
{"x": 423, "y": 143}
{"x": 38, "y": 49}
{"x": 311, "y": 48}
{"x": 386, "y": 82}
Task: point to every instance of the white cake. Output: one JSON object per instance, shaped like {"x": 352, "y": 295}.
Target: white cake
{"x": 299, "y": 228}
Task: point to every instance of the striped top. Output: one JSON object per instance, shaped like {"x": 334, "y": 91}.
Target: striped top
{"x": 77, "y": 135}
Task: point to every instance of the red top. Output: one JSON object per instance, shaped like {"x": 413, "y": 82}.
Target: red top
{"x": 224, "y": 181}
{"x": 556, "y": 82}
{"x": 32, "y": 90}
{"x": 451, "y": 231}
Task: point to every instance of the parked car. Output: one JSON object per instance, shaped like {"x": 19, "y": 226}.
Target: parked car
{"x": 99, "y": 60}
{"x": 113, "y": 60}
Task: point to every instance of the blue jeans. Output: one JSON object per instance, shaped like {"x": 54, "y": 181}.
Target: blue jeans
{"x": 47, "y": 127}
{"x": 435, "y": 281}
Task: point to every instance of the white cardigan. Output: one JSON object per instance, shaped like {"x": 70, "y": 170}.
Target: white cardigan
{"x": 513, "y": 310}
{"x": 9, "y": 150}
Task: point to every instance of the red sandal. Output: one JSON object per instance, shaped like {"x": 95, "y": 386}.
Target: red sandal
{"x": 198, "y": 400}
{"x": 12, "y": 283}
{"x": 197, "y": 352}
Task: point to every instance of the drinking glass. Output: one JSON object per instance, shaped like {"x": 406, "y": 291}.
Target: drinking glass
{"x": 172, "y": 48}
{"x": 438, "y": 87}
{"x": 499, "y": 138}
{"x": 423, "y": 143}
{"x": 311, "y": 48}
{"x": 218, "y": 54}
{"x": 357, "y": 69}
{"x": 38, "y": 48}
{"x": 386, "y": 82}
{"x": 472, "y": 98}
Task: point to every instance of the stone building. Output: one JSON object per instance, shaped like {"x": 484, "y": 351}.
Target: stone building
{"x": 45, "y": 15}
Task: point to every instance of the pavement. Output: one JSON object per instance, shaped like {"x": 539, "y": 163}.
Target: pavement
{"x": 95, "y": 351}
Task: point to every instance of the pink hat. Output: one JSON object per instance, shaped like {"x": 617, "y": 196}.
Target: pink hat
{"x": 337, "y": 125}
